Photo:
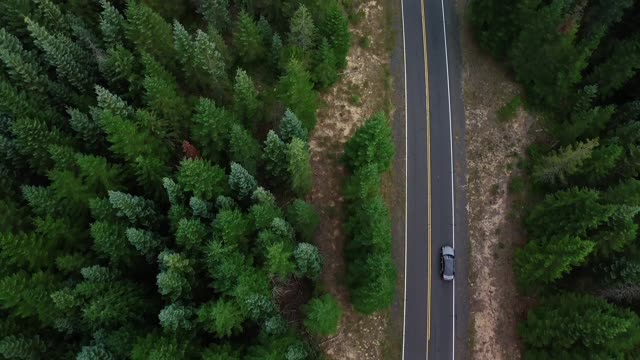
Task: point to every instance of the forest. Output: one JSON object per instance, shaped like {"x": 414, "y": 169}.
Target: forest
{"x": 154, "y": 180}
{"x": 578, "y": 63}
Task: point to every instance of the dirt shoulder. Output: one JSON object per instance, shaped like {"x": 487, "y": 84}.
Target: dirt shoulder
{"x": 364, "y": 89}
{"x": 494, "y": 207}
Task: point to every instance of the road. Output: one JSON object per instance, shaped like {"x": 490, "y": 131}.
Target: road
{"x": 433, "y": 109}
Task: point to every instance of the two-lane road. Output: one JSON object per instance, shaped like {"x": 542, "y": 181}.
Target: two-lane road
{"x": 431, "y": 109}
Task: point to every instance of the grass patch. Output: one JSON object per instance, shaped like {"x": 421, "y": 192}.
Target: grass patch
{"x": 365, "y": 42}
{"x": 517, "y": 185}
{"x": 509, "y": 110}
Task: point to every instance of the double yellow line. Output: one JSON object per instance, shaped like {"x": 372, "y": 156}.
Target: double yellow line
{"x": 427, "y": 102}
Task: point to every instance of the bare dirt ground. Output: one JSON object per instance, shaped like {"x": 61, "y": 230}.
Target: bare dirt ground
{"x": 363, "y": 90}
{"x": 493, "y": 149}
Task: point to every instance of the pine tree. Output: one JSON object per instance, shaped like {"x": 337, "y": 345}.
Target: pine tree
{"x": 363, "y": 185}
{"x": 149, "y": 32}
{"x": 145, "y": 242}
{"x": 19, "y": 104}
{"x": 264, "y": 211}
{"x": 618, "y": 233}
{"x": 112, "y": 24}
{"x": 98, "y": 175}
{"x": 275, "y": 51}
{"x": 579, "y": 326}
{"x": 243, "y": 148}
{"x": 224, "y": 263}
{"x": 308, "y": 260}
{"x": 335, "y": 28}
{"x": 544, "y": 261}
{"x": 570, "y": 212}
{"x": 32, "y": 138}
{"x": 371, "y": 144}
{"x": 176, "y": 275}
{"x": 302, "y": 30}
{"x": 22, "y": 65}
{"x": 602, "y": 163}
{"x": 222, "y": 318}
{"x": 280, "y": 260}
{"x": 241, "y": 183}
{"x": 70, "y": 60}
{"x": 191, "y": 234}
{"x": 291, "y": 127}
{"x": 27, "y": 295}
{"x": 245, "y": 95}
{"x": 177, "y": 318}
{"x": 135, "y": 209}
{"x": 163, "y": 97}
{"x": 20, "y": 347}
{"x": 304, "y": 219}
{"x": 325, "y": 73}
{"x": 559, "y": 165}
{"x": 295, "y": 90}
{"x": 299, "y": 167}
{"x": 497, "y": 23}
{"x": 232, "y": 227}
{"x": 585, "y": 120}
{"x": 110, "y": 241}
{"x": 323, "y": 315}
{"x": 96, "y": 352}
{"x": 275, "y": 157}
{"x": 619, "y": 67}
{"x": 200, "y": 207}
{"x": 204, "y": 180}
{"x": 210, "y": 129}
{"x": 247, "y": 39}
{"x": 119, "y": 68}
{"x": 216, "y": 13}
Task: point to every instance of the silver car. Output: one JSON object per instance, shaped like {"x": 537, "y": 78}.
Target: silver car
{"x": 447, "y": 263}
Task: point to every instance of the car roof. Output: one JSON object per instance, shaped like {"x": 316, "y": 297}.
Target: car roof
{"x": 448, "y": 266}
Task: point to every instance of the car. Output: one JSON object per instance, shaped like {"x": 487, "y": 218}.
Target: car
{"x": 447, "y": 263}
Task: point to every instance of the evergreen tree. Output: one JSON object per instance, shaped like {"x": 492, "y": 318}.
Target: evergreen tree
{"x": 222, "y": 318}
{"x": 135, "y": 209}
{"x": 275, "y": 157}
{"x": 247, "y": 39}
{"x": 325, "y": 73}
{"x": 145, "y": 242}
{"x": 264, "y": 211}
{"x": 70, "y": 60}
{"x": 302, "y": 30}
{"x": 112, "y": 24}
{"x": 579, "y": 326}
{"x": 191, "y": 234}
{"x": 570, "y": 212}
{"x": 231, "y": 227}
{"x": 241, "y": 183}
{"x": 602, "y": 163}
{"x": 323, "y": 315}
{"x": 560, "y": 164}
{"x": 200, "y": 207}
{"x": 280, "y": 260}
{"x": 371, "y": 144}
{"x": 210, "y": 128}
{"x": 176, "y": 275}
{"x": 335, "y": 28}
{"x": 308, "y": 260}
{"x": 304, "y": 219}
{"x": 20, "y": 347}
{"x": 110, "y": 241}
{"x": 149, "y": 32}
{"x": 497, "y": 23}
{"x": 543, "y": 261}
{"x": 216, "y": 13}
{"x": 586, "y": 119}
{"x": 295, "y": 90}
{"x": 245, "y": 96}
{"x": 204, "y": 180}
{"x": 619, "y": 67}
{"x": 22, "y": 65}
{"x": 176, "y": 318}
{"x": 243, "y": 148}
{"x": 275, "y": 51}
{"x": 291, "y": 127}
{"x": 299, "y": 167}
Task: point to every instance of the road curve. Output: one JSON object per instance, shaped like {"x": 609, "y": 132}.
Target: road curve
{"x": 431, "y": 112}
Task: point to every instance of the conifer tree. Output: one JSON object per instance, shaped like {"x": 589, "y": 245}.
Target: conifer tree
{"x": 222, "y": 318}
{"x": 543, "y": 261}
{"x": 241, "y": 183}
{"x": 110, "y": 241}
{"x": 295, "y": 90}
{"x": 323, "y": 315}
{"x": 304, "y": 219}
{"x": 291, "y": 127}
{"x": 275, "y": 157}
{"x": 145, "y": 242}
{"x": 497, "y": 23}
{"x": 560, "y": 164}
{"x": 135, "y": 209}
{"x": 245, "y": 96}
{"x": 371, "y": 144}
{"x": 325, "y": 73}
{"x": 210, "y": 129}
{"x": 275, "y": 51}
{"x": 302, "y": 30}
{"x": 308, "y": 260}
{"x": 247, "y": 39}
{"x": 586, "y": 119}
{"x": 204, "y": 180}
{"x": 280, "y": 260}
{"x": 335, "y": 28}
{"x": 191, "y": 234}
{"x": 70, "y": 60}
{"x": 112, "y": 24}
{"x": 176, "y": 275}
{"x": 579, "y": 326}
{"x": 231, "y": 227}
{"x": 21, "y": 347}
{"x": 264, "y": 211}
{"x": 22, "y": 65}
{"x": 243, "y": 148}
{"x": 149, "y": 32}
{"x": 619, "y": 67}
{"x": 216, "y": 13}
{"x": 177, "y": 318}
{"x": 300, "y": 167}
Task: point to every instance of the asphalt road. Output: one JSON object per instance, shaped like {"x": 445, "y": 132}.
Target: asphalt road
{"x": 433, "y": 109}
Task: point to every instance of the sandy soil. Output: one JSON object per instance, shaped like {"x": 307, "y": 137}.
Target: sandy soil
{"x": 493, "y": 149}
{"x": 359, "y": 94}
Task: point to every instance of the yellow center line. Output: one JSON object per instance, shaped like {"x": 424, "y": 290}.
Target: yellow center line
{"x": 428, "y": 100}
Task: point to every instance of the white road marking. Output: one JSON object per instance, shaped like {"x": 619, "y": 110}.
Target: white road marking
{"x": 453, "y": 203}
{"x": 406, "y": 171}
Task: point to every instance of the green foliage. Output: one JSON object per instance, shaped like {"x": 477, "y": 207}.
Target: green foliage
{"x": 295, "y": 90}
{"x": 508, "y": 111}
{"x": 335, "y": 29}
{"x": 222, "y": 317}
{"x": 308, "y": 260}
{"x": 291, "y": 127}
{"x": 275, "y": 157}
{"x": 201, "y": 178}
{"x": 241, "y": 183}
{"x": 579, "y": 326}
{"x": 541, "y": 262}
{"x": 323, "y": 315}
{"x": 216, "y": 12}
{"x": 243, "y": 148}
{"x": 111, "y": 24}
{"x": 14, "y": 347}
{"x": 304, "y": 219}
{"x": 231, "y": 226}
{"x": 280, "y": 260}
{"x": 144, "y": 241}
{"x": 302, "y": 30}
{"x": 558, "y": 165}
{"x": 191, "y": 234}
{"x": 497, "y": 23}
{"x": 623, "y": 63}
{"x": 245, "y": 95}
{"x": 325, "y": 73}
{"x": 210, "y": 128}
{"x": 247, "y": 39}
{"x": 176, "y": 275}
{"x": 136, "y": 209}
{"x": 149, "y": 32}
{"x": 111, "y": 241}
{"x": 300, "y": 170}
{"x": 176, "y": 318}
{"x": 371, "y": 144}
